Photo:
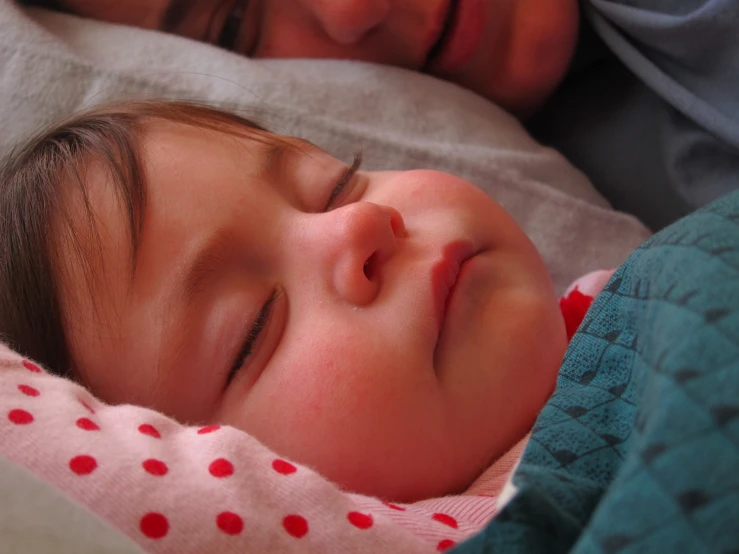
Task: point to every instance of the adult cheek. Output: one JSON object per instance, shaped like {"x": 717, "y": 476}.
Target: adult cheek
{"x": 542, "y": 48}
{"x": 530, "y": 63}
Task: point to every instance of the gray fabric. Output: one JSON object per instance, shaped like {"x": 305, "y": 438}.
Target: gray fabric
{"x": 654, "y": 119}
{"x": 37, "y": 519}
{"x": 52, "y": 64}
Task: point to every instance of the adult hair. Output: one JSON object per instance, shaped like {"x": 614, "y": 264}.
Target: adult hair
{"x": 35, "y": 182}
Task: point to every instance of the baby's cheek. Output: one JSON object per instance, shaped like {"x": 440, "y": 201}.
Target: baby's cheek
{"x": 331, "y": 379}
{"x": 306, "y": 382}
{"x": 324, "y": 405}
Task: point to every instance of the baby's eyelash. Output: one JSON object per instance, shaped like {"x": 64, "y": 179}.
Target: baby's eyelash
{"x": 251, "y": 338}
{"x": 345, "y": 179}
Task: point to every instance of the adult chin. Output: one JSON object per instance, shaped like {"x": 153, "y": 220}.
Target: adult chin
{"x": 523, "y": 53}
{"x": 541, "y": 47}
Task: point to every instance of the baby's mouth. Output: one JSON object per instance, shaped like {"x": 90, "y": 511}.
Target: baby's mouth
{"x": 444, "y": 275}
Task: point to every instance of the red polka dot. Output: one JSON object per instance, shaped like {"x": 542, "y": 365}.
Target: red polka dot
{"x": 283, "y": 467}
{"x": 28, "y": 391}
{"x": 394, "y": 506}
{"x": 83, "y": 465}
{"x": 360, "y": 520}
{"x": 155, "y": 467}
{"x": 87, "y": 424}
{"x": 208, "y": 429}
{"x": 445, "y": 519}
{"x": 20, "y": 417}
{"x": 446, "y": 544}
{"x": 154, "y": 525}
{"x": 230, "y": 523}
{"x": 148, "y": 429}
{"x": 87, "y": 406}
{"x": 221, "y": 468}
{"x": 30, "y": 366}
{"x": 295, "y": 525}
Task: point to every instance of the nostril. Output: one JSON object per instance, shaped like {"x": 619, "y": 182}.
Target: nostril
{"x": 369, "y": 267}
{"x": 398, "y": 225}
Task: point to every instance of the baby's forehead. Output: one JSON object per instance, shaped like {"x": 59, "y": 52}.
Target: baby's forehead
{"x": 265, "y": 153}
{"x": 116, "y": 176}
{"x": 242, "y": 134}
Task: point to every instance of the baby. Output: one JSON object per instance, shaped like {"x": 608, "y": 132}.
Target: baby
{"x": 395, "y": 331}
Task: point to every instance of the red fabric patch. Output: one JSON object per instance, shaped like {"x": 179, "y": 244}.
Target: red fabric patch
{"x": 295, "y": 525}
{"x": 208, "y": 429}
{"x": 446, "y": 544}
{"x": 360, "y": 520}
{"x": 30, "y": 366}
{"x": 283, "y": 467}
{"x": 148, "y": 429}
{"x": 154, "y": 525}
{"x": 83, "y": 465}
{"x": 230, "y": 523}
{"x": 87, "y": 424}
{"x": 394, "y": 506}
{"x": 445, "y": 519}
{"x": 87, "y": 407}
{"x": 155, "y": 467}
{"x": 574, "y": 307}
{"x": 28, "y": 391}
{"x": 20, "y": 417}
{"x": 221, "y": 468}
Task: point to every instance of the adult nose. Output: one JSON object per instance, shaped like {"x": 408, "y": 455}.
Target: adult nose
{"x": 353, "y": 244}
{"x": 348, "y": 21}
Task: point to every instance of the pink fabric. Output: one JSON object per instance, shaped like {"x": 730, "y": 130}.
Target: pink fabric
{"x": 579, "y": 296}
{"x": 591, "y": 283}
{"x": 183, "y": 489}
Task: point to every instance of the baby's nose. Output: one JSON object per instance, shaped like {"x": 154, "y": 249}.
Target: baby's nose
{"x": 367, "y": 237}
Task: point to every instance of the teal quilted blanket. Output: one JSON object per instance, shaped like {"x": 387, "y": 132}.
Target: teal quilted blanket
{"x": 638, "y": 448}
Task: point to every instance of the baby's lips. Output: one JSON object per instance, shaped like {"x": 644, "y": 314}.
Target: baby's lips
{"x": 444, "y": 274}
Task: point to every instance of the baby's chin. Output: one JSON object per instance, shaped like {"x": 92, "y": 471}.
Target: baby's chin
{"x": 422, "y": 470}
{"x": 409, "y": 477}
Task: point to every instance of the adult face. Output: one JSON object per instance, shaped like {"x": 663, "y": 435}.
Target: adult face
{"x": 513, "y": 52}
{"x": 397, "y": 334}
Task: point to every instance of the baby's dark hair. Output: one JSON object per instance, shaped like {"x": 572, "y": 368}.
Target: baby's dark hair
{"x": 34, "y": 218}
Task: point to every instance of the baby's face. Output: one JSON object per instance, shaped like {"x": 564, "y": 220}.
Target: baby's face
{"x": 396, "y": 336}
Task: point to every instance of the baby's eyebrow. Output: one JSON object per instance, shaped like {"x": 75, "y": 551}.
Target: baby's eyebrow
{"x": 280, "y": 153}
{"x": 218, "y": 247}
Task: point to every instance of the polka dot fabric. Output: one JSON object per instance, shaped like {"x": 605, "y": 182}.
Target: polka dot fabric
{"x": 204, "y": 489}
